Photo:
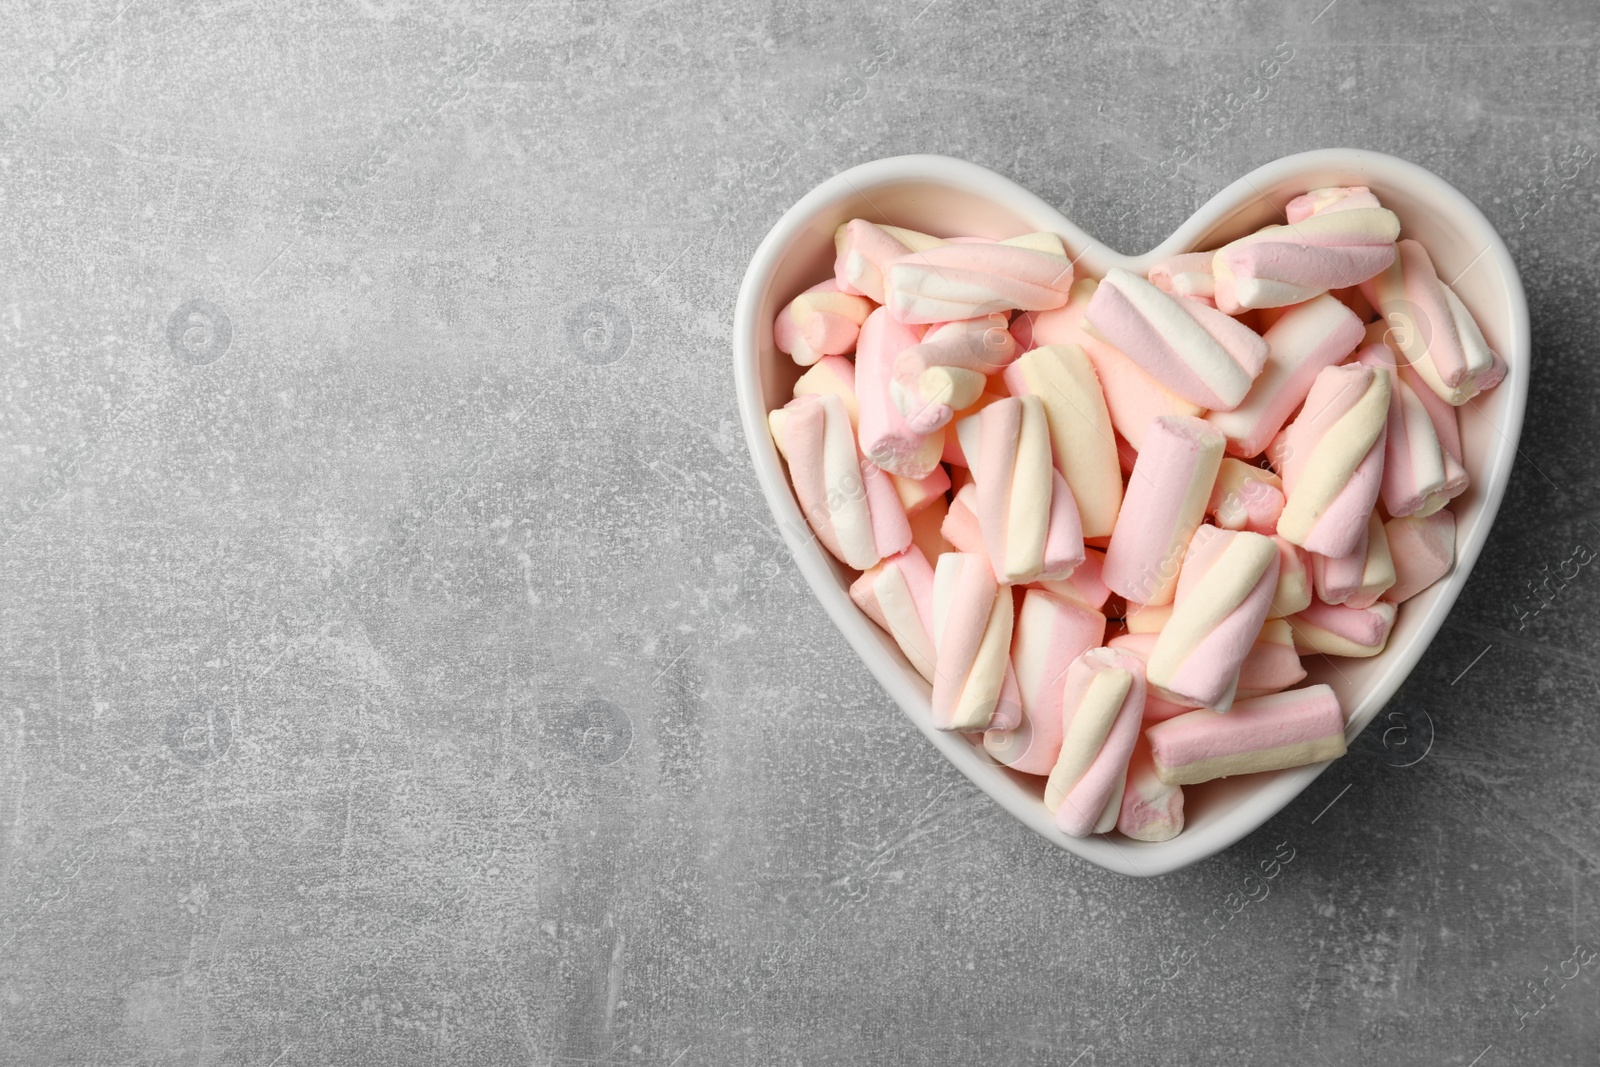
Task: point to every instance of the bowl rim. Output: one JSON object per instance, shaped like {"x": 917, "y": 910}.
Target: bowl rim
{"x": 1140, "y": 859}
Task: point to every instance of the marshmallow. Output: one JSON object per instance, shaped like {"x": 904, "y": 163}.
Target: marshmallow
{"x": 1266, "y": 733}
{"x": 972, "y": 622}
{"x": 1224, "y": 592}
{"x": 1422, "y": 548}
{"x": 1332, "y": 460}
{"x": 1187, "y": 275}
{"x": 1443, "y": 487}
{"x": 1166, "y": 498}
{"x": 1305, "y": 339}
{"x": 1152, "y": 810}
{"x": 1432, "y": 328}
{"x": 1102, "y": 708}
{"x": 1133, "y": 398}
{"x": 963, "y": 280}
{"x": 1419, "y": 477}
{"x": 1194, "y": 350}
{"x": 1329, "y": 198}
{"x": 1082, "y": 441}
{"x": 949, "y": 368}
{"x": 897, "y": 594}
{"x": 864, "y": 250}
{"x": 836, "y": 375}
{"x": 822, "y": 321}
{"x": 1360, "y": 578}
{"x": 886, "y": 438}
{"x": 1050, "y": 633}
{"x": 1025, "y": 511}
{"x": 1331, "y": 244}
{"x": 918, "y": 493}
{"x": 851, "y": 505}
{"x": 1246, "y": 497}
{"x": 1293, "y": 594}
{"x": 1085, "y": 584}
{"x": 1338, "y": 630}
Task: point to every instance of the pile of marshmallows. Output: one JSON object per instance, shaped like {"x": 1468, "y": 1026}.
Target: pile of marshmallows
{"x": 1242, "y": 457}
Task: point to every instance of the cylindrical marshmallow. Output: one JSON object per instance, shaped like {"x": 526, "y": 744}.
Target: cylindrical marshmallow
{"x": 1305, "y": 339}
{"x": 1432, "y": 328}
{"x": 947, "y": 370}
{"x": 897, "y": 594}
{"x": 1332, "y": 460}
{"x": 1224, "y": 592}
{"x": 1166, "y": 498}
{"x": 1025, "y": 511}
{"x": 1342, "y": 242}
{"x": 886, "y": 438}
{"x": 1050, "y": 633}
{"x": 822, "y": 321}
{"x": 1102, "y": 709}
{"x": 851, "y": 505}
{"x": 1267, "y": 733}
{"x": 1082, "y": 440}
{"x": 972, "y": 621}
{"x": 1419, "y": 478}
{"x": 1193, "y": 349}
{"x": 864, "y": 251}
{"x": 967, "y": 279}
{"x": 1339, "y": 630}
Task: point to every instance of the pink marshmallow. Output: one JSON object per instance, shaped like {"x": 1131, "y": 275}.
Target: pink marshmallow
{"x": 886, "y": 438}
{"x": 1102, "y": 710}
{"x": 822, "y": 321}
{"x": 1332, "y": 459}
{"x": 850, "y": 504}
{"x": 972, "y": 623}
{"x": 964, "y": 280}
{"x": 1166, "y": 498}
{"x": 1196, "y": 351}
{"x": 1340, "y": 243}
{"x": 1267, "y": 733}
{"x": 1224, "y": 592}
{"x": 897, "y": 594}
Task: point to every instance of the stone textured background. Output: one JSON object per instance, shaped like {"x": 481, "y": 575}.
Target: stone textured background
{"x": 398, "y": 664}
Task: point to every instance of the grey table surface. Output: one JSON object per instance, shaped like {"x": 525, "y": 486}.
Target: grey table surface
{"x": 398, "y": 663}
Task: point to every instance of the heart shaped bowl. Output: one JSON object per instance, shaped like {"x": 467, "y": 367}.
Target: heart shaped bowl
{"x": 945, "y": 196}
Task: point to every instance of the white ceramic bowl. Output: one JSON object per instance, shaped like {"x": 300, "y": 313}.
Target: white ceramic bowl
{"x": 945, "y": 196}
